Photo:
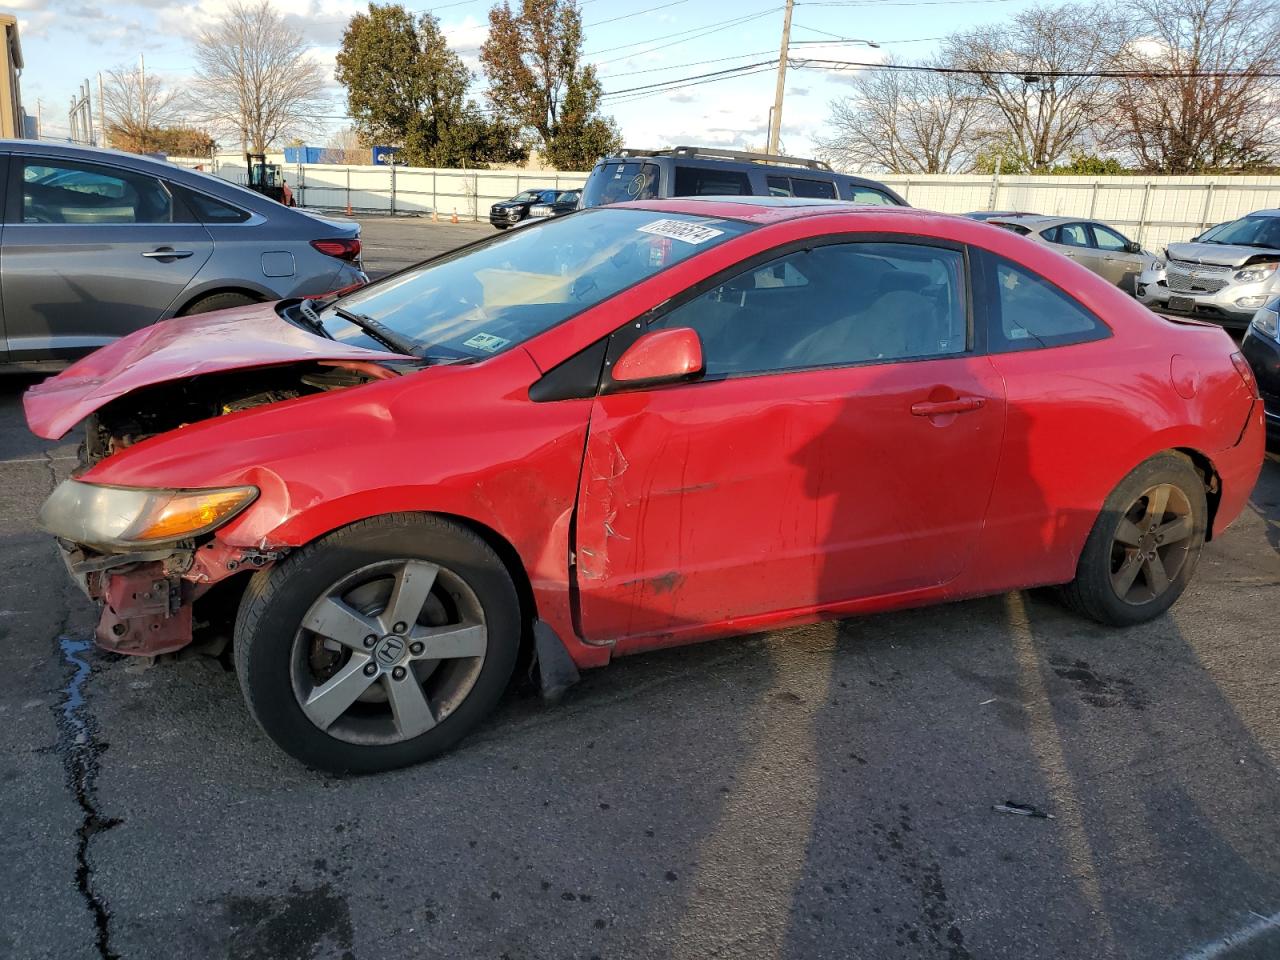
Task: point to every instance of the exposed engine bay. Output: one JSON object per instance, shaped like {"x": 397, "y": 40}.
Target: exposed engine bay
{"x": 168, "y": 406}
{"x": 158, "y": 601}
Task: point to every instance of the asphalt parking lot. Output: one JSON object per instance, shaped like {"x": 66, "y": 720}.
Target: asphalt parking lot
{"x": 819, "y": 792}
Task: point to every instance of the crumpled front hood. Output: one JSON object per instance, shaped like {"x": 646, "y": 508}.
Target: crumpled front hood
{"x": 1218, "y": 254}
{"x": 242, "y": 338}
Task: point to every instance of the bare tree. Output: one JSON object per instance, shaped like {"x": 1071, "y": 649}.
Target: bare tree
{"x": 905, "y": 122}
{"x": 1181, "y": 124}
{"x": 1041, "y": 115}
{"x": 136, "y": 105}
{"x": 255, "y": 78}
{"x": 346, "y": 144}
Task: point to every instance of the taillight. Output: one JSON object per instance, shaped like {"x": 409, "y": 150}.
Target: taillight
{"x": 1246, "y": 372}
{"x": 342, "y": 249}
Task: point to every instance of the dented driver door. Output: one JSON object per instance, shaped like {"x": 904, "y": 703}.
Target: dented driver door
{"x": 714, "y": 502}
{"x": 841, "y": 445}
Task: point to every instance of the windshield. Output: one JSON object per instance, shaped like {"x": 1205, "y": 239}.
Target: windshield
{"x": 485, "y": 299}
{"x": 618, "y": 180}
{"x": 1247, "y": 232}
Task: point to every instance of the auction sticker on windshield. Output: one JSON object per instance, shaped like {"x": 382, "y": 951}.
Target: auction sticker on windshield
{"x": 487, "y": 342}
{"x": 681, "y": 230}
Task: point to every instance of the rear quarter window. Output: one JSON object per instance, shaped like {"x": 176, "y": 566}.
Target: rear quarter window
{"x": 1027, "y": 312}
{"x": 707, "y": 182}
{"x": 868, "y": 196}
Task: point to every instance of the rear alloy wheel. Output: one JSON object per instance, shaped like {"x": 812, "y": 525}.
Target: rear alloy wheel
{"x": 1144, "y": 546}
{"x": 380, "y": 645}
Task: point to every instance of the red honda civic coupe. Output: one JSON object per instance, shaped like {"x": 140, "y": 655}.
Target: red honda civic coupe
{"x": 634, "y": 427}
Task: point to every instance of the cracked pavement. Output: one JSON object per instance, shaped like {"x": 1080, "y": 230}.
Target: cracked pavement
{"x": 819, "y": 792}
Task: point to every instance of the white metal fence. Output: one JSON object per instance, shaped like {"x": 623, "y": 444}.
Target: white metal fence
{"x": 1152, "y": 210}
{"x": 386, "y": 189}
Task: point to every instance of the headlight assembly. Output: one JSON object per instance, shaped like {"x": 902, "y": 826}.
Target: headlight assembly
{"x": 1255, "y": 272}
{"x": 122, "y": 518}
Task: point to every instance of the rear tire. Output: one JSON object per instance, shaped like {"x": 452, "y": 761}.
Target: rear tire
{"x": 338, "y": 702}
{"x": 218, "y": 301}
{"x": 1144, "y": 545}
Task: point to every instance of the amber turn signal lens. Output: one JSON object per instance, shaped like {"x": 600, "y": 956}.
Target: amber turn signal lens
{"x": 189, "y": 512}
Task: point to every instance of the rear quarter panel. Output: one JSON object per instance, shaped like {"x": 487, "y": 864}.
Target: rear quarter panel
{"x": 1081, "y": 417}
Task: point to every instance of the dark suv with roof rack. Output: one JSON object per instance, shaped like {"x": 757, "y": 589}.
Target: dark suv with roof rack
{"x": 702, "y": 171}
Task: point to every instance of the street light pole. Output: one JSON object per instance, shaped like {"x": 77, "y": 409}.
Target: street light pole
{"x": 775, "y": 119}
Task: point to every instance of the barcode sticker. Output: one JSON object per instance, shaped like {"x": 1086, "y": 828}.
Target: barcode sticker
{"x": 681, "y": 230}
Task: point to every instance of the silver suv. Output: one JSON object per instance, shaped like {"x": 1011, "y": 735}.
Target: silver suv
{"x": 97, "y": 243}
{"x": 1223, "y": 275}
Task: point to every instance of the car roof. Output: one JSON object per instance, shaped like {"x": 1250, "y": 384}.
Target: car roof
{"x": 1037, "y": 221}
{"x": 194, "y": 179}
{"x": 762, "y": 210}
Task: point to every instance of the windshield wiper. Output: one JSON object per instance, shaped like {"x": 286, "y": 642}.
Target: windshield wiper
{"x": 308, "y": 312}
{"x": 380, "y": 332}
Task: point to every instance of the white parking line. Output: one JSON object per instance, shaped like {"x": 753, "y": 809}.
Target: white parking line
{"x": 1234, "y": 939}
{"x": 39, "y": 459}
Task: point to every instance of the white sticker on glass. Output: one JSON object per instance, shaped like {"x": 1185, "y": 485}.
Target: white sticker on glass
{"x": 681, "y": 230}
{"x": 486, "y": 342}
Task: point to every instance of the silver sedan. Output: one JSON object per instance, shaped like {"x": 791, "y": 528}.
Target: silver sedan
{"x": 98, "y": 243}
{"x": 1094, "y": 245}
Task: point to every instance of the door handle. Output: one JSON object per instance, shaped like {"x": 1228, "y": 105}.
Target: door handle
{"x": 168, "y": 253}
{"x": 938, "y": 408}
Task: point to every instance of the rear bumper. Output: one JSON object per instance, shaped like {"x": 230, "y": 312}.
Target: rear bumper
{"x": 1238, "y": 468}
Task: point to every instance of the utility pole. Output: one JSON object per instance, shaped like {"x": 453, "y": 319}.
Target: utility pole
{"x": 88, "y": 112}
{"x": 775, "y": 119}
{"x": 102, "y": 111}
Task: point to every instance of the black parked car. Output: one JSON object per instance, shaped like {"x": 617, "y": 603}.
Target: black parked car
{"x": 566, "y": 201}
{"x": 1261, "y": 348}
{"x": 510, "y": 212}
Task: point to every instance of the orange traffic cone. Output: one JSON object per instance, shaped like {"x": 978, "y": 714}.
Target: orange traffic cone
{"x": 348, "y": 208}
{"x": 435, "y": 216}
{"x": 454, "y": 218}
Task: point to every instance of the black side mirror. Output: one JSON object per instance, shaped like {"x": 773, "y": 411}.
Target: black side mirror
{"x": 1133, "y": 246}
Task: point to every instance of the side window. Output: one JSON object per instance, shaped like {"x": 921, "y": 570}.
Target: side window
{"x": 1074, "y": 235}
{"x": 703, "y": 182}
{"x": 870, "y": 197}
{"x": 67, "y": 191}
{"x": 1107, "y": 239}
{"x": 779, "y": 186}
{"x": 209, "y": 210}
{"x": 832, "y": 305}
{"x": 814, "y": 189}
{"x": 1033, "y": 313}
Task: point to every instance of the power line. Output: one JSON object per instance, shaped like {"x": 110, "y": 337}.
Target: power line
{"x": 632, "y": 98}
{"x": 1032, "y": 74}
{"x": 707, "y": 27}
{"x": 723, "y": 74}
{"x": 638, "y": 13}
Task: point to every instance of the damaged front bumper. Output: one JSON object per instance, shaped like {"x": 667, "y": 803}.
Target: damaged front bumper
{"x": 147, "y": 597}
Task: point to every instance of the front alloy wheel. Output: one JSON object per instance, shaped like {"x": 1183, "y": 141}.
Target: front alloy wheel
{"x": 388, "y": 651}
{"x": 379, "y": 645}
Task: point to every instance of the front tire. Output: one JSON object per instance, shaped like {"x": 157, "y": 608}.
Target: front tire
{"x": 1144, "y": 545}
{"x": 378, "y": 646}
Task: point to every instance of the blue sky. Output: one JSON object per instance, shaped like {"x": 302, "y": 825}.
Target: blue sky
{"x": 633, "y": 42}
